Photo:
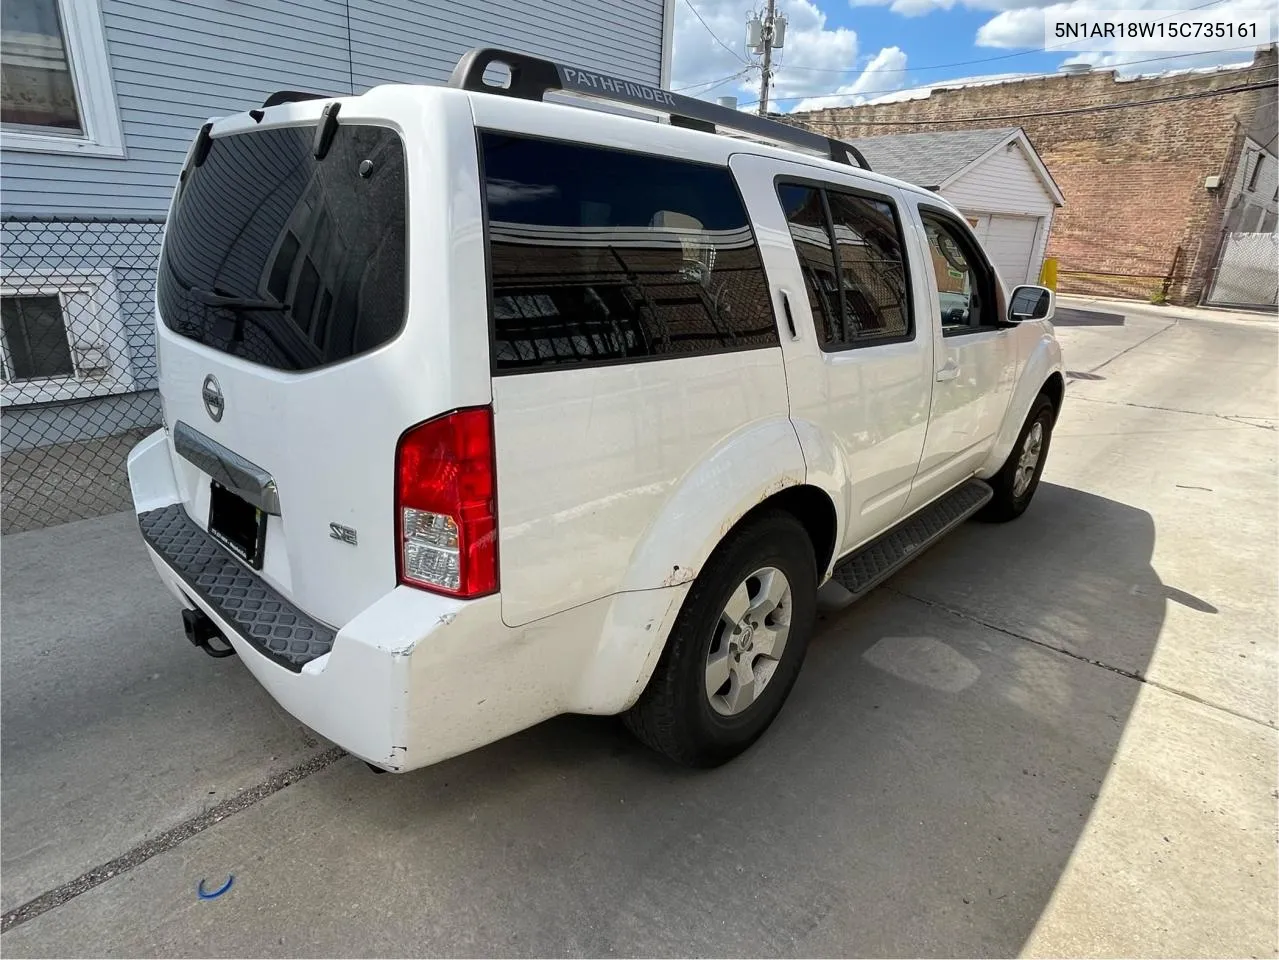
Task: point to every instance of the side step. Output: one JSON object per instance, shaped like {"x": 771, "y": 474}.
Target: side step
{"x": 871, "y": 565}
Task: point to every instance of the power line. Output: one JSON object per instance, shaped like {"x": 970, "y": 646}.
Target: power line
{"x": 711, "y": 84}
{"x": 997, "y": 57}
{"x": 689, "y": 4}
{"x": 943, "y": 83}
{"x": 1066, "y": 111}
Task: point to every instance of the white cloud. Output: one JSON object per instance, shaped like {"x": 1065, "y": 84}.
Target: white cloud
{"x": 883, "y": 74}
{"x": 824, "y": 58}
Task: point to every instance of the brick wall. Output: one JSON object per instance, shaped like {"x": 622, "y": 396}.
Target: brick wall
{"x": 1133, "y": 178}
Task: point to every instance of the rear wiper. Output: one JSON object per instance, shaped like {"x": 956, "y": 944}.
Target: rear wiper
{"x": 214, "y": 299}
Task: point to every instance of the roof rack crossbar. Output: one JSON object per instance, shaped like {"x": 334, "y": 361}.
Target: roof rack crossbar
{"x": 531, "y": 78}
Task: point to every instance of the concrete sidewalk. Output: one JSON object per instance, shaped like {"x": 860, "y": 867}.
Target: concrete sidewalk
{"x": 1055, "y": 737}
{"x": 1166, "y": 312}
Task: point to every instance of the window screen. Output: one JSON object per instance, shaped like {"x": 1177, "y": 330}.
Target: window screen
{"x": 35, "y": 338}
{"x": 857, "y": 282}
{"x": 599, "y": 256}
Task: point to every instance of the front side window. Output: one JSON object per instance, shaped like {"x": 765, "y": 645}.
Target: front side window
{"x": 965, "y": 284}
{"x": 601, "y": 256}
{"x": 55, "y": 79}
{"x": 850, "y": 252}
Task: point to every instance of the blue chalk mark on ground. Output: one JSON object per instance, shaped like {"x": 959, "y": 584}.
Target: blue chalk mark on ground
{"x": 214, "y": 894}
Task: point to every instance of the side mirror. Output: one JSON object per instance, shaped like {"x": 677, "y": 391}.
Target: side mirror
{"x": 1029, "y": 302}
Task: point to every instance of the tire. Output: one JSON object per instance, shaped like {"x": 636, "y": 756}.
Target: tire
{"x": 1012, "y": 492}
{"x": 677, "y": 715}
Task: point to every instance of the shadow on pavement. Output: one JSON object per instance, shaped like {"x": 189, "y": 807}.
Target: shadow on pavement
{"x": 1074, "y": 317}
{"x": 920, "y": 794}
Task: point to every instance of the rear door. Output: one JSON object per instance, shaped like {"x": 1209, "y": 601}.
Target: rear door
{"x": 859, "y": 367}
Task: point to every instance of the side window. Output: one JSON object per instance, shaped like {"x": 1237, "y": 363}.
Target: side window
{"x": 965, "y": 285}
{"x": 876, "y": 304}
{"x": 599, "y": 256}
{"x": 806, "y": 214}
{"x": 857, "y": 284}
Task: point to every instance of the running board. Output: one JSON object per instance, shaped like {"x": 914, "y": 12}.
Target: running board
{"x": 869, "y": 566}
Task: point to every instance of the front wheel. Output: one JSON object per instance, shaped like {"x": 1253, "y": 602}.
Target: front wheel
{"x": 1018, "y": 478}
{"x": 736, "y": 647}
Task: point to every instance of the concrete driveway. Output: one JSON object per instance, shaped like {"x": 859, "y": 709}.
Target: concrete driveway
{"x": 1053, "y": 737}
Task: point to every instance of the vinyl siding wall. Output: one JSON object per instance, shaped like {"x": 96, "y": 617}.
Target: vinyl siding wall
{"x": 177, "y": 63}
{"x": 1004, "y": 182}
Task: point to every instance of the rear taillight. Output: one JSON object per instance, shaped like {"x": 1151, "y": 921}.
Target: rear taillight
{"x": 446, "y": 505}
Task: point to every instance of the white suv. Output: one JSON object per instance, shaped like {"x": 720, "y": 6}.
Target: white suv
{"x": 480, "y": 409}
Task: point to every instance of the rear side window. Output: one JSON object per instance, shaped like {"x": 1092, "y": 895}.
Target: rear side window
{"x": 851, "y": 251}
{"x": 600, "y": 256}
{"x": 291, "y": 262}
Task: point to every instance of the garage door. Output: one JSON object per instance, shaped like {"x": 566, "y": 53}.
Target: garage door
{"x": 1010, "y": 243}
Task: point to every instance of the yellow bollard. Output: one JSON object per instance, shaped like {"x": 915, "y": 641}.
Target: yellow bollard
{"x": 1048, "y": 274}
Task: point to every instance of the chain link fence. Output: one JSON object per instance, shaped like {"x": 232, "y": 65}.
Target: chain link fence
{"x": 1247, "y": 272}
{"x": 79, "y": 373}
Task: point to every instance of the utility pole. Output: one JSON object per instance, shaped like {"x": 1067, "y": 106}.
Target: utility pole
{"x": 763, "y": 37}
{"x": 767, "y": 73}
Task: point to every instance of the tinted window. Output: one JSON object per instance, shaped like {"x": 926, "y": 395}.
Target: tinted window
{"x": 869, "y": 302}
{"x": 964, "y": 286}
{"x": 600, "y": 256}
{"x": 876, "y": 305}
{"x": 313, "y": 250}
{"x": 806, "y": 215}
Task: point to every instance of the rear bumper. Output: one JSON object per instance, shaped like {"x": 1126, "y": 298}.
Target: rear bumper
{"x": 414, "y": 678}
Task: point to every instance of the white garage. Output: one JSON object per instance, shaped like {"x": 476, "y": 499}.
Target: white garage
{"x": 994, "y": 176}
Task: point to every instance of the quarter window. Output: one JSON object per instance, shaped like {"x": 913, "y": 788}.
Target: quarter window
{"x": 850, "y": 251}
{"x": 600, "y": 256}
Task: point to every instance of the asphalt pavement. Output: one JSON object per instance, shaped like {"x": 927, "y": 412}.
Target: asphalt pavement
{"x": 1055, "y": 737}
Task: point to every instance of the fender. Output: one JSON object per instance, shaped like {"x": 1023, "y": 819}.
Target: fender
{"x": 747, "y": 466}
{"x": 1043, "y": 361}
{"x": 828, "y": 470}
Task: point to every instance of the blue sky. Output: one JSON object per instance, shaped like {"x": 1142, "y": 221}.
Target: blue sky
{"x": 863, "y": 49}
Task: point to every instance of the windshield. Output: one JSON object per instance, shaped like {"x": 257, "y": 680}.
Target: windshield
{"x": 285, "y": 260}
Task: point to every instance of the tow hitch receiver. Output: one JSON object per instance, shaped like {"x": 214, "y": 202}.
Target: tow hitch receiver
{"x": 203, "y": 634}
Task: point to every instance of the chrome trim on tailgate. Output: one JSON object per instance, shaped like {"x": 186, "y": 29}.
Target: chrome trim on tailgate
{"x": 246, "y": 479}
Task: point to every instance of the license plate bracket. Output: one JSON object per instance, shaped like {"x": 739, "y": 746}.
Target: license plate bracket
{"x": 237, "y": 524}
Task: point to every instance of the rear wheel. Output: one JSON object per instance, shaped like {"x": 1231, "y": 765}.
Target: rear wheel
{"x": 736, "y": 647}
{"x": 1018, "y": 478}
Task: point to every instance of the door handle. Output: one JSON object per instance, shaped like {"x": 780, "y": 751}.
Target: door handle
{"x": 949, "y": 371}
{"x": 790, "y": 320}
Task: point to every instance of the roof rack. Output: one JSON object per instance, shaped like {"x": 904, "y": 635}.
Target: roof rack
{"x": 533, "y": 77}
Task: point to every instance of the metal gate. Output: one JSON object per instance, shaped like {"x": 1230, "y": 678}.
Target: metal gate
{"x": 1247, "y": 272}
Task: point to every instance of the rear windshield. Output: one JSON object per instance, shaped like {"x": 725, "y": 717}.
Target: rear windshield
{"x": 285, "y": 260}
